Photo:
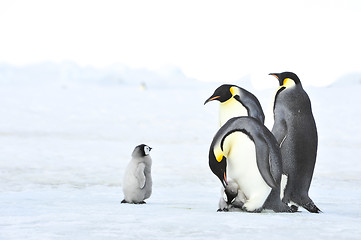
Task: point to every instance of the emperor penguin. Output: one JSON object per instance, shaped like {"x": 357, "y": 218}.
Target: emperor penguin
{"x": 235, "y": 102}
{"x": 244, "y": 150}
{"x": 295, "y": 130}
{"x": 137, "y": 183}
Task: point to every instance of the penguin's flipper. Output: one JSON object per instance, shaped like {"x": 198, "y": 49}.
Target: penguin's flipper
{"x": 140, "y": 175}
{"x": 263, "y": 163}
{"x": 279, "y": 131}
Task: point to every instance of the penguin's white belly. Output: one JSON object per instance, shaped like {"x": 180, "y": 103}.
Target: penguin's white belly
{"x": 242, "y": 167}
{"x": 230, "y": 109}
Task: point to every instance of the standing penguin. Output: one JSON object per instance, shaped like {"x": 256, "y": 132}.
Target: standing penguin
{"x": 295, "y": 130}
{"x": 235, "y": 102}
{"x": 137, "y": 183}
{"x": 246, "y": 151}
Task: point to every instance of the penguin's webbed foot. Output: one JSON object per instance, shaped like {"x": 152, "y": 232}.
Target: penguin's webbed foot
{"x": 293, "y": 208}
{"x": 123, "y": 201}
{"x": 223, "y": 210}
{"x": 142, "y": 202}
{"x": 311, "y": 207}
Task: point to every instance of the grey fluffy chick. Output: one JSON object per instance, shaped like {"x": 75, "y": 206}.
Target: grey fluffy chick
{"x": 137, "y": 182}
{"x": 232, "y": 198}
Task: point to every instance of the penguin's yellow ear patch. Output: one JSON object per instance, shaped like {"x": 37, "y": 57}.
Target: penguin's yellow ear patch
{"x": 288, "y": 82}
{"x": 285, "y": 81}
{"x": 234, "y": 90}
{"x": 219, "y": 158}
{"x": 218, "y": 153}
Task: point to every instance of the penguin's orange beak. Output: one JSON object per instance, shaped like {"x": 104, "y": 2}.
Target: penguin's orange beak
{"x": 277, "y": 75}
{"x": 211, "y": 98}
{"x": 274, "y": 74}
{"x": 225, "y": 179}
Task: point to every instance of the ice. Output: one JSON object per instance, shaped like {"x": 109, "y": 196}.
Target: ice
{"x": 64, "y": 148}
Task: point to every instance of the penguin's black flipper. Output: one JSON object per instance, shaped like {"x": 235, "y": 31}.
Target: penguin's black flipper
{"x": 263, "y": 158}
{"x": 279, "y": 130}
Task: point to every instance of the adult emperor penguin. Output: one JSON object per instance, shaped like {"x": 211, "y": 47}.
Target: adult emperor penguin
{"x": 137, "y": 183}
{"x": 247, "y": 152}
{"x": 295, "y": 130}
{"x": 235, "y": 102}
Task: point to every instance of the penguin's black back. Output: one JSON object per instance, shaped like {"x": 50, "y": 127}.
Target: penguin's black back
{"x": 294, "y": 121}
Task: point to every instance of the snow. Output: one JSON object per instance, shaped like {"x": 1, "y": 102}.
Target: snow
{"x": 64, "y": 147}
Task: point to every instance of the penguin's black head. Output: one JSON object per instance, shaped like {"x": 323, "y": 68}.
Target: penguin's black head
{"x": 285, "y": 76}
{"x": 142, "y": 150}
{"x": 218, "y": 167}
{"x": 222, "y": 93}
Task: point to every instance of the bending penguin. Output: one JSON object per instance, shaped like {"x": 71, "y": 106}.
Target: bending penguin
{"x": 235, "y": 102}
{"x": 295, "y": 130}
{"x": 137, "y": 183}
{"x": 244, "y": 150}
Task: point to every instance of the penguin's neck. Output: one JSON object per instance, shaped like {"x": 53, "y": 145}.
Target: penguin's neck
{"x": 287, "y": 86}
{"x": 229, "y": 109}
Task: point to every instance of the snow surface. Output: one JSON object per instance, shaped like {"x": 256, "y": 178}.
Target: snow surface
{"x": 64, "y": 148}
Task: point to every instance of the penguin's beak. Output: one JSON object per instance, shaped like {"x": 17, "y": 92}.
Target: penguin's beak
{"x": 224, "y": 181}
{"x": 211, "y": 98}
{"x": 277, "y": 75}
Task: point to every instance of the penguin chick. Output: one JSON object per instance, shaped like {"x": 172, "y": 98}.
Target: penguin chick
{"x": 137, "y": 182}
{"x": 235, "y": 102}
{"x": 232, "y": 198}
{"x": 295, "y": 130}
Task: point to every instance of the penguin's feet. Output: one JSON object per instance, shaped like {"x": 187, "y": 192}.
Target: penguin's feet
{"x": 293, "y": 208}
{"x": 124, "y": 201}
{"x": 311, "y": 207}
{"x": 223, "y": 210}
